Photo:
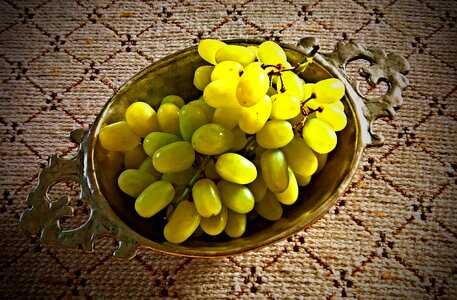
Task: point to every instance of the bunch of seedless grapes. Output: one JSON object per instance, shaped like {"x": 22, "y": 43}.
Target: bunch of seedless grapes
{"x": 257, "y": 134}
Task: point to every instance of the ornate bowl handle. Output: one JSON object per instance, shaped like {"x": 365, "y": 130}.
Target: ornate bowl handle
{"x": 390, "y": 68}
{"x": 43, "y": 215}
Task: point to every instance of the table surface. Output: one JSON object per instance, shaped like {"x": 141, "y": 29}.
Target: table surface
{"x": 393, "y": 233}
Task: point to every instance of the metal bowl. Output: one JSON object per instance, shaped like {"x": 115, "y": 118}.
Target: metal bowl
{"x": 113, "y": 214}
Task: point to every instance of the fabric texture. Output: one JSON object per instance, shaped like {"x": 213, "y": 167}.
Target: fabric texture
{"x": 393, "y": 234}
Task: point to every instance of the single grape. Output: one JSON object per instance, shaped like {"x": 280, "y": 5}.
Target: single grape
{"x": 148, "y": 167}
{"x": 236, "y": 224}
{"x": 174, "y": 157}
{"x": 237, "y": 53}
{"x": 253, "y": 118}
{"x": 290, "y": 195}
{"x": 274, "y": 168}
{"x": 209, "y": 170}
{"x": 207, "y": 49}
{"x": 118, "y": 136}
{"x": 221, "y": 93}
{"x": 321, "y": 161}
{"x": 155, "y": 140}
{"x": 271, "y": 53}
{"x": 154, "y": 198}
{"x": 168, "y": 118}
{"x": 206, "y": 197}
{"x": 175, "y": 99}
{"x": 275, "y": 134}
{"x": 300, "y": 157}
{"x": 258, "y": 187}
{"x": 183, "y": 223}
{"x": 333, "y": 116}
{"x": 212, "y": 139}
{"x": 253, "y": 85}
{"x": 227, "y": 69}
{"x": 302, "y": 180}
{"x": 319, "y": 136}
{"x": 239, "y": 139}
{"x": 134, "y": 181}
{"x": 180, "y": 178}
{"x": 202, "y": 77}
{"x": 329, "y": 90}
{"x": 216, "y": 224}
{"x": 235, "y": 196}
{"x": 134, "y": 157}
{"x": 236, "y": 168}
{"x": 308, "y": 90}
{"x": 254, "y": 50}
{"x": 269, "y": 208}
{"x": 227, "y": 117}
{"x": 192, "y": 116}
{"x": 142, "y": 118}
{"x": 284, "y": 106}
{"x": 291, "y": 84}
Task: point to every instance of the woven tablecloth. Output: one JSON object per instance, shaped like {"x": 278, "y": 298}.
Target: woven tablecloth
{"x": 392, "y": 235}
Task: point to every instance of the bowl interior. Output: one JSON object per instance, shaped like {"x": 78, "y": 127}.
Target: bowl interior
{"x": 173, "y": 75}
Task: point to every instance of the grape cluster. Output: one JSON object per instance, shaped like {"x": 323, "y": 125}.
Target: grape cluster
{"x": 257, "y": 134}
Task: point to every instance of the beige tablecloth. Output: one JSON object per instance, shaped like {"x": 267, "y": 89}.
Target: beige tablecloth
{"x": 394, "y": 232}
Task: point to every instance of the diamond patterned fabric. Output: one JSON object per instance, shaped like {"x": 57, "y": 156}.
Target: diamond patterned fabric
{"x": 393, "y": 234}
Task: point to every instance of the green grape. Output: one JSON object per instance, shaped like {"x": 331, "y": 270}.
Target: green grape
{"x": 183, "y": 223}
{"x": 236, "y": 168}
{"x": 271, "y": 91}
{"x": 133, "y": 181}
{"x": 235, "y": 196}
{"x": 155, "y": 140}
{"x": 206, "y": 197}
{"x": 338, "y": 104}
{"x": 271, "y": 53}
{"x": 209, "y": 170}
{"x": 134, "y": 157}
{"x": 221, "y": 93}
{"x": 236, "y": 224}
{"x": 258, "y": 187}
{"x": 174, "y": 157}
{"x": 253, "y": 85}
{"x": 313, "y": 103}
{"x": 175, "y": 99}
{"x": 273, "y": 165}
{"x": 333, "y": 116}
{"x": 302, "y": 180}
{"x": 284, "y": 106}
{"x": 118, "y": 136}
{"x": 300, "y": 157}
{"x": 308, "y": 90}
{"x": 290, "y": 84}
{"x": 239, "y": 139}
{"x": 227, "y": 69}
{"x": 207, "y": 49}
{"x": 202, "y": 77}
{"x": 329, "y": 90}
{"x": 148, "y": 167}
{"x": 269, "y": 208}
{"x": 290, "y": 195}
{"x": 227, "y": 116}
{"x": 154, "y": 198}
{"x": 254, "y": 50}
{"x": 180, "y": 178}
{"x": 253, "y": 118}
{"x": 237, "y": 53}
{"x": 168, "y": 118}
{"x": 215, "y": 224}
{"x": 275, "y": 134}
{"x": 192, "y": 116}
{"x": 142, "y": 118}
{"x": 212, "y": 139}
{"x": 321, "y": 161}
{"x": 319, "y": 136}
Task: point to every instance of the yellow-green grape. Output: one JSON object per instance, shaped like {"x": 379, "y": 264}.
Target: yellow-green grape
{"x": 338, "y": 104}
{"x": 134, "y": 157}
{"x": 239, "y": 139}
{"x": 192, "y": 116}
{"x": 212, "y": 139}
{"x": 333, "y": 116}
{"x": 237, "y": 53}
{"x": 271, "y": 53}
{"x": 148, "y": 167}
{"x": 202, "y": 77}
{"x": 155, "y": 140}
{"x": 275, "y": 134}
{"x": 183, "y": 223}
{"x": 142, "y": 118}
{"x": 290, "y": 195}
{"x": 227, "y": 69}
{"x": 253, "y": 85}
{"x": 168, "y": 118}
{"x": 180, "y": 178}
{"x": 253, "y": 118}
{"x": 319, "y": 136}
{"x": 284, "y": 106}
{"x": 329, "y": 90}
{"x": 300, "y": 157}
{"x": 216, "y": 224}
{"x": 269, "y": 208}
{"x": 207, "y": 49}
{"x": 308, "y": 90}
{"x": 290, "y": 84}
{"x": 221, "y": 93}
{"x": 236, "y": 224}
{"x": 209, "y": 170}
{"x": 154, "y": 198}
{"x": 313, "y": 104}
{"x": 302, "y": 180}
{"x": 274, "y": 168}
{"x": 175, "y": 99}
{"x": 235, "y": 196}
{"x": 321, "y": 161}
{"x": 236, "y": 168}
{"x": 118, "y": 136}
{"x": 206, "y": 197}
{"x": 258, "y": 187}
{"x": 134, "y": 181}
{"x": 254, "y": 50}
{"x": 271, "y": 91}
{"x": 228, "y": 116}
{"x": 174, "y": 157}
